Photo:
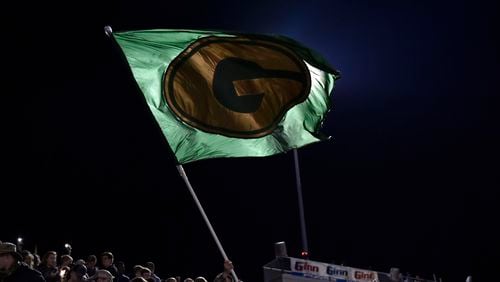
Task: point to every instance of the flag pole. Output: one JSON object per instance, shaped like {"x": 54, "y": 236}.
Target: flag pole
{"x": 305, "y": 250}
{"x": 204, "y": 215}
{"x": 109, "y": 32}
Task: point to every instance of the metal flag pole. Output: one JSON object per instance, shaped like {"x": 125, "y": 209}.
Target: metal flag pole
{"x": 305, "y": 250}
{"x": 204, "y": 215}
{"x": 109, "y": 32}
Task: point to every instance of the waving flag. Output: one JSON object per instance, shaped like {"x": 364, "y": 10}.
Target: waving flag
{"x": 218, "y": 94}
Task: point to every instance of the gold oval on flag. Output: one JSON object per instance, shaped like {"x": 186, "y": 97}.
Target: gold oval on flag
{"x": 235, "y": 86}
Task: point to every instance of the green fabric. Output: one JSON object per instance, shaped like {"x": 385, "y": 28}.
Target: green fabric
{"x": 149, "y": 54}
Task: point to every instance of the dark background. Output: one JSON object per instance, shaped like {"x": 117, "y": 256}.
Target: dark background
{"x": 410, "y": 178}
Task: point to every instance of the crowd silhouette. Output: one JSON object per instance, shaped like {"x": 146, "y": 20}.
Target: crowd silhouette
{"x": 26, "y": 266}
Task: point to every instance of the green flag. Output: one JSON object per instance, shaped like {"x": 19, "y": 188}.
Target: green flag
{"x": 217, "y": 94}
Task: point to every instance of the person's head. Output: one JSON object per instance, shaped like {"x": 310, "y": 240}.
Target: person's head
{"x": 200, "y": 279}
{"x": 151, "y": 266}
{"x": 138, "y": 279}
{"x": 120, "y": 266}
{"x": 8, "y": 255}
{"x": 91, "y": 261}
{"x": 145, "y": 273}
{"x": 36, "y": 260}
{"x": 50, "y": 259}
{"x": 66, "y": 260}
{"x": 188, "y": 280}
{"x": 102, "y": 275}
{"x": 80, "y": 262}
{"x": 171, "y": 279}
{"x": 28, "y": 258}
{"x": 77, "y": 272}
{"x": 107, "y": 259}
{"x": 137, "y": 270}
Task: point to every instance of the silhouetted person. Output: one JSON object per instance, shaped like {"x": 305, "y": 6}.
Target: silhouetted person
{"x": 66, "y": 260}
{"x": 137, "y": 270}
{"x": 102, "y": 275}
{"x": 121, "y": 277}
{"x": 12, "y": 269}
{"x": 78, "y": 273}
{"x": 226, "y": 275}
{"x": 28, "y": 258}
{"x": 107, "y": 259}
{"x": 151, "y": 267}
{"x": 36, "y": 261}
{"x": 145, "y": 273}
{"x": 91, "y": 265}
{"x": 48, "y": 267}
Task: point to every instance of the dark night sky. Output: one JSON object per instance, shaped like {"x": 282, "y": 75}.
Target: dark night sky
{"x": 409, "y": 180}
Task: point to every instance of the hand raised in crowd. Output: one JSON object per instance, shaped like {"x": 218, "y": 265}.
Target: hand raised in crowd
{"x": 228, "y": 267}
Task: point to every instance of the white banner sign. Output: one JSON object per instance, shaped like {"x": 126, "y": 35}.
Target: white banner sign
{"x": 331, "y": 271}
